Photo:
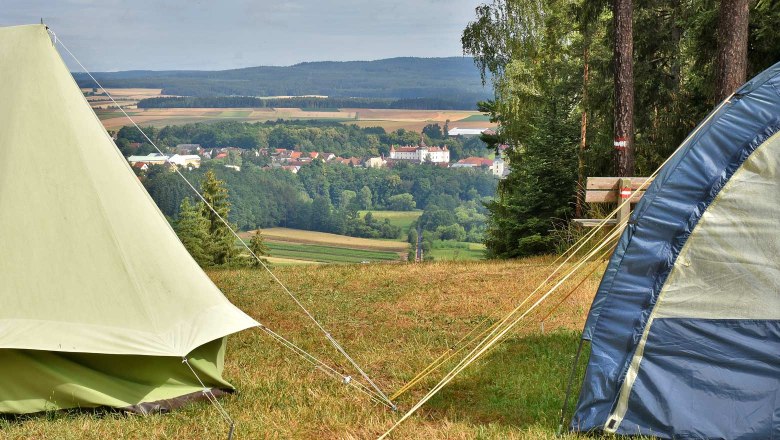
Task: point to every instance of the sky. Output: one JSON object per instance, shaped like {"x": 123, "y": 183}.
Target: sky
{"x": 111, "y": 35}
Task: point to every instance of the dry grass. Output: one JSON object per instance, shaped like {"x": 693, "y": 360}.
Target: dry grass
{"x": 394, "y": 319}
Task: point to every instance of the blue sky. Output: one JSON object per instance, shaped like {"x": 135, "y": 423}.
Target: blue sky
{"x": 110, "y": 35}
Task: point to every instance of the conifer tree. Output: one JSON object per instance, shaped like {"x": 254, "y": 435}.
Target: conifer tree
{"x": 192, "y": 229}
{"x": 222, "y": 243}
{"x": 259, "y": 248}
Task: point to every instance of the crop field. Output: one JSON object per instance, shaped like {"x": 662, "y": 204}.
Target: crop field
{"x": 394, "y": 320}
{"x": 323, "y": 238}
{"x": 294, "y": 246}
{"x": 389, "y": 119}
{"x": 327, "y": 254}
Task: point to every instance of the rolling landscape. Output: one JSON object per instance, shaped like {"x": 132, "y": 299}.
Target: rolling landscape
{"x": 500, "y": 219}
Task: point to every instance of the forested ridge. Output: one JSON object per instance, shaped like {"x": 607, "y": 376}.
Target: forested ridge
{"x": 454, "y": 79}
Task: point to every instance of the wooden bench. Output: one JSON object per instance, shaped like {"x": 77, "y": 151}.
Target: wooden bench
{"x": 613, "y": 190}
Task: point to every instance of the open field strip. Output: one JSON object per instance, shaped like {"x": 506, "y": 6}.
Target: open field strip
{"x": 394, "y": 320}
{"x": 327, "y": 254}
{"x": 285, "y": 261}
{"x": 321, "y": 247}
{"x": 323, "y": 238}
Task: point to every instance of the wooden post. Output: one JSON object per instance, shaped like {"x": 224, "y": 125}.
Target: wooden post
{"x": 624, "y": 193}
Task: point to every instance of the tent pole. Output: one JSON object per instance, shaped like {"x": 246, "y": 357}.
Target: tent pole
{"x": 568, "y": 386}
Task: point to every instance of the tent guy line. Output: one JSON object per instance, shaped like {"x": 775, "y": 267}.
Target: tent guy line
{"x": 212, "y": 398}
{"x": 327, "y": 334}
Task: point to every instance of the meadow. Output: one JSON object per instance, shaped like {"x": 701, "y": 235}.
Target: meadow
{"x": 394, "y": 320}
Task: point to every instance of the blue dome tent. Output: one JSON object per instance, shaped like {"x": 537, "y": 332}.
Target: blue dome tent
{"x": 685, "y": 326}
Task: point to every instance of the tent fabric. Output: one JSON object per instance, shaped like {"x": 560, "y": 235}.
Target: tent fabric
{"x": 142, "y": 384}
{"x": 684, "y": 328}
{"x": 100, "y": 300}
{"x": 90, "y": 265}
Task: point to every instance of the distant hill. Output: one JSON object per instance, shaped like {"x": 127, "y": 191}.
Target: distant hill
{"x": 454, "y": 79}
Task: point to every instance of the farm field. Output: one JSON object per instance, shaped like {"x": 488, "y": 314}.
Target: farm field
{"x": 394, "y": 320}
{"x": 294, "y": 246}
{"x": 327, "y": 254}
{"x": 389, "y": 119}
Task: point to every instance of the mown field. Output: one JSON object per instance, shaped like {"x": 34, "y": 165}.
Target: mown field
{"x": 394, "y": 320}
{"x": 389, "y": 119}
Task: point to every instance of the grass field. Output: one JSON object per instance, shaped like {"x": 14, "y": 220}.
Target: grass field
{"x": 475, "y": 118}
{"x": 394, "y": 320}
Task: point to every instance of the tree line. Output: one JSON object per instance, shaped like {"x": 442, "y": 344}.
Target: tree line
{"x": 601, "y": 88}
{"x": 329, "y": 197}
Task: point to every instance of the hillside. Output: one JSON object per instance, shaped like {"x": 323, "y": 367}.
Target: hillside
{"x": 394, "y": 319}
{"x": 454, "y": 79}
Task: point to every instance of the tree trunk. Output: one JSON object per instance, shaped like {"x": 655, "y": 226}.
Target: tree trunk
{"x": 583, "y": 138}
{"x": 732, "y": 47}
{"x": 624, "y": 87}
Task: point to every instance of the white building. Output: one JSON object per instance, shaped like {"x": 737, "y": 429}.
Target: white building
{"x": 421, "y": 153}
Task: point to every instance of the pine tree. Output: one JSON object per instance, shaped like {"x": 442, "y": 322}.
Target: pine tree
{"x": 222, "y": 242}
{"x": 192, "y": 229}
{"x": 259, "y": 248}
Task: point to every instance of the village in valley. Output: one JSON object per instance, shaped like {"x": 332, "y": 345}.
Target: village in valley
{"x": 191, "y": 155}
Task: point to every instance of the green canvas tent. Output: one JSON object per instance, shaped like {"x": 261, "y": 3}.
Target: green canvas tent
{"x": 100, "y": 300}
